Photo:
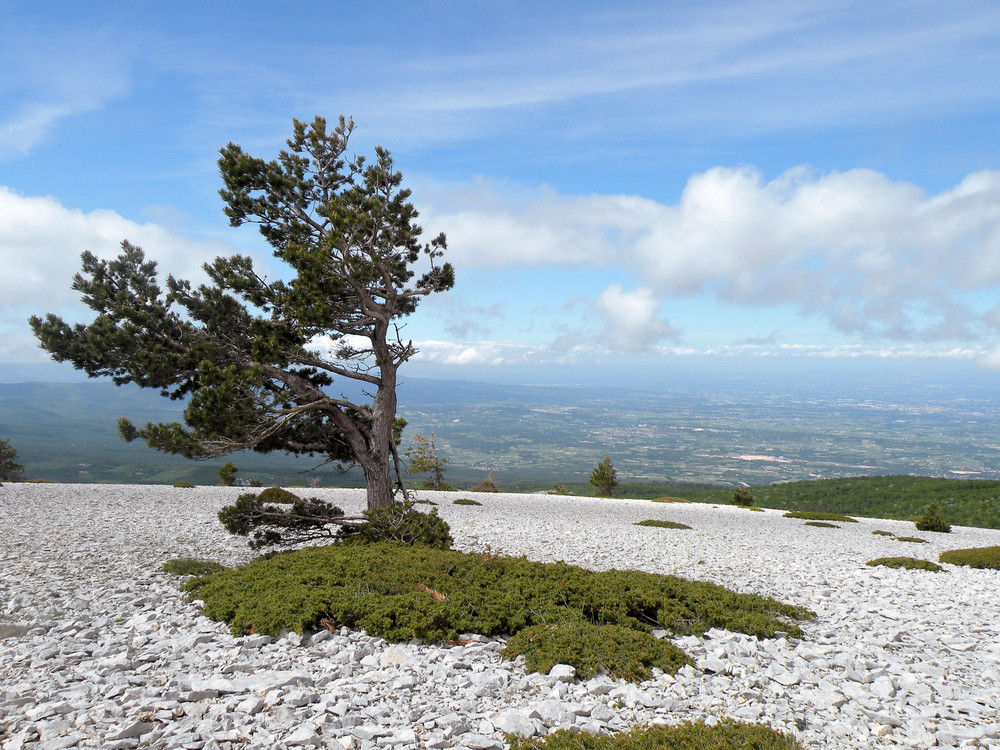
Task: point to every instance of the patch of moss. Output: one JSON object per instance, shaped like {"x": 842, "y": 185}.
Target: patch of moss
{"x": 662, "y": 524}
{"x": 595, "y": 649}
{"x": 880, "y": 532}
{"x": 382, "y": 587}
{"x": 915, "y": 539}
{"x": 908, "y": 563}
{"x": 726, "y": 735}
{"x": 191, "y": 566}
{"x": 974, "y": 557}
{"x": 465, "y": 501}
{"x": 811, "y": 516}
{"x": 183, "y": 485}
{"x": 821, "y": 524}
{"x": 669, "y": 500}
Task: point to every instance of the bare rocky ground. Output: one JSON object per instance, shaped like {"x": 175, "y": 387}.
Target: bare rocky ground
{"x": 99, "y": 649}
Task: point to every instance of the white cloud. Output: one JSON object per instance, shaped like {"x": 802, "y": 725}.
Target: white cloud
{"x": 40, "y": 245}
{"x": 869, "y": 255}
{"x": 477, "y": 353}
{"x": 41, "y": 241}
{"x": 632, "y": 321}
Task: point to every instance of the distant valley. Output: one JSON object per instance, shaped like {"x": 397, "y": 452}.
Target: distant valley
{"x": 719, "y": 431}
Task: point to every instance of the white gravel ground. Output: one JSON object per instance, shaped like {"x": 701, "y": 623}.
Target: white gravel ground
{"x": 97, "y": 648}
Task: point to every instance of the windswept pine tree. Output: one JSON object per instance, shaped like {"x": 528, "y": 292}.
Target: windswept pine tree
{"x": 258, "y": 359}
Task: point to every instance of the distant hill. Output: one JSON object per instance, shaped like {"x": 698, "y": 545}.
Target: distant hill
{"x": 963, "y": 502}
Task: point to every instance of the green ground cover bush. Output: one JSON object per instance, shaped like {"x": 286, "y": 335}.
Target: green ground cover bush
{"x": 908, "y": 563}
{"x": 914, "y": 539}
{"x": 400, "y": 592}
{"x": 662, "y": 524}
{"x": 881, "y": 532}
{"x": 822, "y": 524}
{"x": 669, "y": 500}
{"x": 814, "y": 516}
{"x": 191, "y": 566}
{"x": 592, "y": 649}
{"x": 974, "y": 557}
{"x": 277, "y": 495}
{"x": 183, "y": 485}
{"x": 726, "y": 735}
{"x": 465, "y": 501}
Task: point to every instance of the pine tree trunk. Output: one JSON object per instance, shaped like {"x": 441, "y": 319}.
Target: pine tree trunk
{"x": 378, "y": 477}
{"x": 379, "y": 483}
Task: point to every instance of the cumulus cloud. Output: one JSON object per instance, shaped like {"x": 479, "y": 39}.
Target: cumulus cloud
{"x": 632, "y": 321}
{"x": 40, "y": 245}
{"x": 870, "y": 255}
{"x": 41, "y": 241}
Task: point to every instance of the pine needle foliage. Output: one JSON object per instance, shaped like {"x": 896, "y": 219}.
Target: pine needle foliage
{"x": 595, "y": 649}
{"x": 907, "y": 563}
{"x": 974, "y": 557}
{"x": 725, "y": 735}
{"x": 377, "y": 587}
{"x": 10, "y": 469}
{"x": 931, "y": 520}
{"x": 604, "y": 478}
{"x": 254, "y": 358}
{"x": 812, "y": 516}
{"x": 662, "y": 524}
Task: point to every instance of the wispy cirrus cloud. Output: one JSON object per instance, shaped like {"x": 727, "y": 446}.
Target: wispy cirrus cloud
{"x": 50, "y": 77}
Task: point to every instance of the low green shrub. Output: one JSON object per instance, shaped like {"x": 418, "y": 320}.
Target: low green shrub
{"x": 404, "y": 524}
{"x": 400, "y": 592}
{"x": 726, "y": 735}
{"x": 669, "y": 500}
{"x": 662, "y": 524}
{"x": 465, "y": 501}
{"x": 909, "y": 563}
{"x": 182, "y": 484}
{"x": 974, "y": 557}
{"x": 915, "y": 539}
{"x": 741, "y": 496}
{"x": 931, "y": 521}
{"x": 558, "y": 489}
{"x": 277, "y": 495}
{"x": 880, "y": 532}
{"x": 812, "y": 516}
{"x": 191, "y": 566}
{"x": 595, "y": 649}
{"x": 821, "y": 524}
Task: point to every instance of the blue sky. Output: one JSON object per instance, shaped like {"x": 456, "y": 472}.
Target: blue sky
{"x": 639, "y": 183}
